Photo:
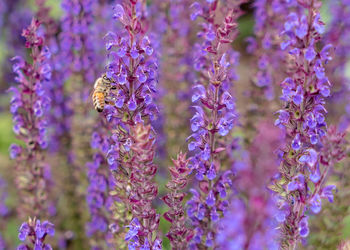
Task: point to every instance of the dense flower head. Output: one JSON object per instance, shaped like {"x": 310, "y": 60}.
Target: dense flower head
{"x": 179, "y": 22}
{"x": 35, "y": 233}
{"x": 96, "y": 196}
{"x": 2, "y": 242}
{"x": 303, "y": 118}
{"x": 132, "y": 75}
{"x": 176, "y": 55}
{"x": 214, "y": 116}
{"x": 240, "y": 229}
{"x": 157, "y": 26}
{"x": 2, "y": 11}
{"x": 133, "y": 70}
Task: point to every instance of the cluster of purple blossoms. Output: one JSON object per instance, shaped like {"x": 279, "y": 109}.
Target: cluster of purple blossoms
{"x": 29, "y": 106}
{"x": 132, "y": 72}
{"x": 36, "y": 233}
{"x": 2, "y": 242}
{"x": 132, "y": 67}
{"x": 80, "y": 63}
{"x": 303, "y": 119}
{"x": 214, "y": 117}
{"x": 240, "y": 229}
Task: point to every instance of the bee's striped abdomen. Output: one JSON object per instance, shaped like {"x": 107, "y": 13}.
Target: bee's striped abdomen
{"x": 99, "y": 100}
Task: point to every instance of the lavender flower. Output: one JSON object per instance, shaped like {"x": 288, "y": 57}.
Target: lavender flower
{"x": 304, "y": 120}
{"x": 35, "y": 232}
{"x": 131, "y": 51}
{"x": 178, "y": 234}
{"x": 214, "y": 117}
{"x": 29, "y": 104}
{"x": 132, "y": 71}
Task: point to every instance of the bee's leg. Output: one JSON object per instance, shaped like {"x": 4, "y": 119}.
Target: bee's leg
{"x": 109, "y": 102}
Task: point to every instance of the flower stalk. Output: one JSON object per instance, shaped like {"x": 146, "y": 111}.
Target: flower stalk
{"x": 303, "y": 118}
{"x": 29, "y": 106}
{"x": 179, "y": 235}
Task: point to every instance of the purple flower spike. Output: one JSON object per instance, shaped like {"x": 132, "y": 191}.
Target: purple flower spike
{"x": 306, "y": 158}
{"x": 215, "y": 113}
{"x": 128, "y": 140}
{"x": 31, "y": 119}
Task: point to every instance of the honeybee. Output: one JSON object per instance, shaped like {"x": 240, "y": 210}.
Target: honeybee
{"x": 102, "y": 87}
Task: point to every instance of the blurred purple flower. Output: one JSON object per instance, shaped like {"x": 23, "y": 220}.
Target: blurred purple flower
{"x": 35, "y": 232}
{"x": 29, "y": 103}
